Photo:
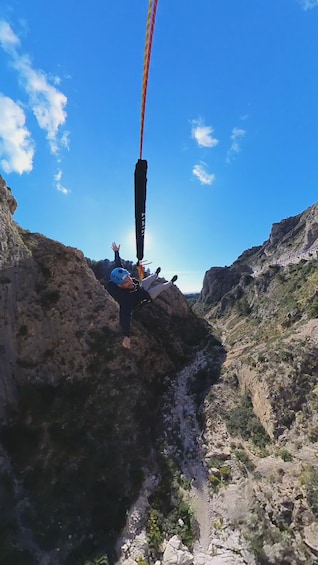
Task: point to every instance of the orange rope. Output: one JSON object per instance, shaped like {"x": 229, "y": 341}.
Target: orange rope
{"x": 151, "y": 17}
{"x": 141, "y": 271}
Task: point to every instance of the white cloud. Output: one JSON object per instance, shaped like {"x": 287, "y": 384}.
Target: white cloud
{"x": 58, "y": 184}
{"x": 235, "y": 148}
{"x": 8, "y": 39}
{"x": 65, "y": 140}
{"x": 203, "y": 134}
{"x": 16, "y": 144}
{"x": 308, "y": 4}
{"x": 45, "y": 100}
{"x": 201, "y": 173}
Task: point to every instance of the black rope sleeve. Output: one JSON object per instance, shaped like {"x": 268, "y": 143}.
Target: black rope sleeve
{"x": 140, "y": 205}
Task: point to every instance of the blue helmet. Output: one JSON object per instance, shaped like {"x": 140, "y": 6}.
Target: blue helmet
{"x": 119, "y": 275}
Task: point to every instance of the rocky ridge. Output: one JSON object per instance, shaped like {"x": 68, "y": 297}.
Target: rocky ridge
{"x": 291, "y": 241}
{"x": 78, "y": 412}
{"x": 187, "y": 450}
{"x": 265, "y": 312}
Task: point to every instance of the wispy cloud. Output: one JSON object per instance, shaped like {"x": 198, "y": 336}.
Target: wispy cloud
{"x": 237, "y": 134}
{"x": 16, "y": 144}
{"x": 201, "y": 173}
{"x": 203, "y": 134}
{"x": 8, "y": 39}
{"x": 308, "y": 4}
{"x": 45, "y": 100}
{"x": 58, "y": 184}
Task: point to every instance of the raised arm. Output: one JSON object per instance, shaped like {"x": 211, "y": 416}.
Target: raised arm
{"x": 116, "y": 249}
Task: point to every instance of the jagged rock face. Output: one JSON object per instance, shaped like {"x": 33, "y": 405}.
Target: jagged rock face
{"x": 282, "y": 229}
{"x": 290, "y": 241}
{"x": 11, "y": 246}
{"x": 218, "y": 281}
{"x": 12, "y": 253}
{"x": 78, "y": 411}
{"x": 266, "y": 305}
{"x": 268, "y": 321}
{"x": 7, "y": 198}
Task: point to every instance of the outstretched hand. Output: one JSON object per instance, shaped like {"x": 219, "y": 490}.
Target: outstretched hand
{"x": 126, "y": 342}
{"x": 115, "y": 247}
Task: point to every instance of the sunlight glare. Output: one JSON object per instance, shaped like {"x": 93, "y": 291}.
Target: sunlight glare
{"x": 130, "y": 244}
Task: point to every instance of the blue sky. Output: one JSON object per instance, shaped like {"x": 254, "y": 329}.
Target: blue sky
{"x": 230, "y": 128}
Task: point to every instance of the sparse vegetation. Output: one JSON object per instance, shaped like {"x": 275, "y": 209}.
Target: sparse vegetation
{"x": 312, "y": 309}
{"x": 49, "y": 298}
{"x": 242, "y": 421}
{"x": 220, "y": 477}
{"x": 243, "y": 457}
{"x": 98, "y": 561}
{"x": 284, "y": 454}
{"x": 170, "y": 511}
{"x": 286, "y": 356}
{"x": 309, "y": 479}
{"x": 23, "y": 330}
{"x": 242, "y": 307}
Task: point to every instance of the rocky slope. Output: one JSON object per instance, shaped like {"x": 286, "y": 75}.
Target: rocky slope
{"x": 265, "y": 308}
{"x": 189, "y": 449}
{"x": 290, "y": 241}
{"x": 78, "y": 412}
{"x": 247, "y": 459}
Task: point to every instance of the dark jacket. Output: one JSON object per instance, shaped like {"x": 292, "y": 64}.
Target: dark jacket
{"x": 128, "y": 299}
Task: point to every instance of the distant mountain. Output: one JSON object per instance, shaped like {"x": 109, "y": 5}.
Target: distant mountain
{"x": 292, "y": 240}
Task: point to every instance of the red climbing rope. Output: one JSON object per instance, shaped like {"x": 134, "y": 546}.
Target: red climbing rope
{"x": 151, "y": 18}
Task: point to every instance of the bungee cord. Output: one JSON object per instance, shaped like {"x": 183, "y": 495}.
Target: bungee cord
{"x": 140, "y": 177}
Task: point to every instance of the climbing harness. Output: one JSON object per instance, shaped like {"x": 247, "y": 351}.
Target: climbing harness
{"x": 141, "y": 165}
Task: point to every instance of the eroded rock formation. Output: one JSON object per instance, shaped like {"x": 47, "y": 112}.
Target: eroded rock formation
{"x": 78, "y": 411}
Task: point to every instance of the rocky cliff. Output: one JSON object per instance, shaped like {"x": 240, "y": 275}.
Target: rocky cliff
{"x": 290, "y": 241}
{"x": 78, "y": 412}
{"x": 264, "y": 308}
{"x": 189, "y": 449}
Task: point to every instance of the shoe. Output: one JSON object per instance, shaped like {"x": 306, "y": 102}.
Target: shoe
{"x": 174, "y": 278}
{"x": 158, "y": 271}
{"x": 143, "y": 302}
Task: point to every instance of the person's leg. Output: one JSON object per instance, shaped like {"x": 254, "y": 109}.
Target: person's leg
{"x": 156, "y": 290}
{"x": 145, "y": 283}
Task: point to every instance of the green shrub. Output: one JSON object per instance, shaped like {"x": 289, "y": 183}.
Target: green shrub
{"x": 214, "y": 482}
{"x": 226, "y": 472}
{"x": 184, "y": 482}
{"x": 313, "y": 434}
{"x": 221, "y": 477}
{"x": 168, "y": 507}
{"x": 312, "y": 309}
{"x": 286, "y": 356}
{"x": 154, "y": 530}
{"x": 242, "y": 307}
{"x": 243, "y": 422}
{"x": 309, "y": 479}
{"x": 285, "y": 455}
{"x": 242, "y": 456}
{"x": 49, "y": 298}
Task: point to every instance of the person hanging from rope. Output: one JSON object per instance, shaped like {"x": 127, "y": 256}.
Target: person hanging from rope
{"x": 131, "y": 293}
